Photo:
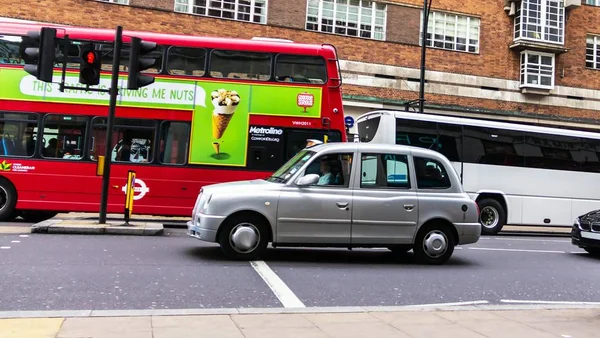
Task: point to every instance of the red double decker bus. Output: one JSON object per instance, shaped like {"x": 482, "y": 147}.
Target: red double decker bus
{"x": 219, "y": 110}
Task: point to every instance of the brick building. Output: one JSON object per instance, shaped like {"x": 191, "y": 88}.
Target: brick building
{"x": 533, "y": 60}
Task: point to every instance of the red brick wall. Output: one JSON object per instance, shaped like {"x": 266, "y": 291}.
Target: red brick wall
{"x": 494, "y": 60}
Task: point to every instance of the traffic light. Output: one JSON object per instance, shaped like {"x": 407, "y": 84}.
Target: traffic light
{"x": 40, "y": 60}
{"x": 138, "y": 63}
{"x": 89, "y": 65}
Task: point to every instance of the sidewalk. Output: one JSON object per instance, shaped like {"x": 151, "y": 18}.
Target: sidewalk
{"x": 566, "y": 323}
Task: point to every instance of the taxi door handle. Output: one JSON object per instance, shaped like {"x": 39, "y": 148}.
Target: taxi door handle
{"x": 342, "y": 205}
{"x": 409, "y": 207}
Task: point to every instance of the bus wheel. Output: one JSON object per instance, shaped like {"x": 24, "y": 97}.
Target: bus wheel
{"x": 244, "y": 237}
{"x": 37, "y": 216}
{"x": 491, "y": 215}
{"x": 434, "y": 244}
{"x": 8, "y": 200}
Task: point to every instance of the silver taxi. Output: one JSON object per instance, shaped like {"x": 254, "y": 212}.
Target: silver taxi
{"x": 343, "y": 195}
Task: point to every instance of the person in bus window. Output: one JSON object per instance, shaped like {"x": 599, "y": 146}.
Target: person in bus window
{"x": 52, "y": 149}
{"x": 124, "y": 153}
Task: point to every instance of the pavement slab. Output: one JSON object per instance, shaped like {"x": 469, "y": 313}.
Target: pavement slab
{"x": 30, "y": 328}
{"x": 401, "y": 324}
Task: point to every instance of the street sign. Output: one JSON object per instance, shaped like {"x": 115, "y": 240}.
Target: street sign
{"x": 349, "y": 121}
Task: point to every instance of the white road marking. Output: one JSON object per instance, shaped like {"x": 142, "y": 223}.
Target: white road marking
{"x": 533, "y": 240}
{"x": 23, "y": 235}
{"x": 512, "y": 301}
{"x": 4, "y": 247}
{"x": 281, "y": 291}
{"x": 458, "y": 248}
{"x": 451, "y": 304}
{"x": 517, "y": 250}
{"x": 15, "y": 241}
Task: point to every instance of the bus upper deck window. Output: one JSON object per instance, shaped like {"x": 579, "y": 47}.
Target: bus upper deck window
{"x": 301, "y": 68}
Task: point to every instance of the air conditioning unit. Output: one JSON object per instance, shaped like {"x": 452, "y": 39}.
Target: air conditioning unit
{"x": 571, "y": 4}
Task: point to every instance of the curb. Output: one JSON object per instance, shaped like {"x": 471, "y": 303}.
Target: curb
{"x": 272, "y": 311}
{"x": 54, "y": 226}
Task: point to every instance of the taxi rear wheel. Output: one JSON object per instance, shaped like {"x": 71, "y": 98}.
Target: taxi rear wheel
{"x": 244, "y": 237}
{"x": 434, "y": 244}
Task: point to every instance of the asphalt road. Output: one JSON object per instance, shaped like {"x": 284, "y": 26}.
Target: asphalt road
{"x": 64, "y": 272}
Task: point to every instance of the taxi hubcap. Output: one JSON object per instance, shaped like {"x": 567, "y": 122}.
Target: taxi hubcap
{"x": 244, "y": 237}
{"x": 435, "y": 244}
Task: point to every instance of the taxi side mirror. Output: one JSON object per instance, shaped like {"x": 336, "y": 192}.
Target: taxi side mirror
{"x": 307, "y": 180}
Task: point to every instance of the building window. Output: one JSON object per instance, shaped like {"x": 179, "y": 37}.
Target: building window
{"x": 360, "y": 18}
{"x": 542, "y": 20}
{"x": 241, "y": 10}
{"x": 451, "y": 31}
{"x": 122, "y": 2}
{"x": 537, "y": 70}
{"x": 592, "y": 52}
{"x": 592, "y": 2}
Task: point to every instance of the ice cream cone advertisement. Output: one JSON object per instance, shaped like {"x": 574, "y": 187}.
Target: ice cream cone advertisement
{"x": 224, "y": 102}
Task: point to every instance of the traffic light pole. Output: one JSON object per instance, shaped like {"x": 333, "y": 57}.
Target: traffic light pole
{"x": 114, "y": 92}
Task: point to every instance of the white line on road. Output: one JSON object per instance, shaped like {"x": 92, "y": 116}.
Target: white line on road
{"x": 477, "y": 302}
{"x": 281, "y": 291}
{"x": 15, "y": 241}
{"x": 517, "y": 250}
{"x": 533, "y": 240}
{"x": 23, "y": 235}
{"x": 4, "y": 247}
{"x": 512, "y": 301}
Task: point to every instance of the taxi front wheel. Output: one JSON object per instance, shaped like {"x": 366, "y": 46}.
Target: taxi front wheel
{"x": 244, "y": 238}
{"x": 434, "y": 244}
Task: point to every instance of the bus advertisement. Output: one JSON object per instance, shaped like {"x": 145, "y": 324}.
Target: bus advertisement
{"x": 519, "y": 174}
{"x": 219, "y": 110}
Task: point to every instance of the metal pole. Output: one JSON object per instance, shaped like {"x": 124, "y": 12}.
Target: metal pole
{"x": 114, "y": 91}
{"x": 423, "y": 53}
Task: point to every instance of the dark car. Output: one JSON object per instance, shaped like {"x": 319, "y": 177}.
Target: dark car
{"x": 586, "y": 232}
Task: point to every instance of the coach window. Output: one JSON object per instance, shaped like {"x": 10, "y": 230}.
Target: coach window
{"x": 174, "y": 142}
{"x": 186, "y": 61}
{"x": 493, "y": 146}
{"x": 17, "y": 134}
{"x": 589, "y": 155}
{"x": 240, "y": 65}
{"x": 552, "y": 152}
{"x": 301, "y": 69}
{"x": 63, "y": 137}
{"x": 431, "y": 174}
{"x": 133, "y": 140}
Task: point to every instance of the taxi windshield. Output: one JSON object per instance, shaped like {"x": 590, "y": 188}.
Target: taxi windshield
{"x": 291, "y": 167}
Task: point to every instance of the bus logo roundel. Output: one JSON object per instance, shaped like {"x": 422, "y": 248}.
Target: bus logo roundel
{"x": 140, "y": 188}
{"x": 305, "y": 100}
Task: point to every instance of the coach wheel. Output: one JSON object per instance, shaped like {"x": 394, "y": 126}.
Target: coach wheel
{"x": 34, "y": 216}
{"x": 8, "y": 200}
{"x": 244, "y": 238}
{"x": 492, "y": 216}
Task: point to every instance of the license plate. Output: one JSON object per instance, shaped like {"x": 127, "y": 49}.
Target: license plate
{"x": 590, "y": 235}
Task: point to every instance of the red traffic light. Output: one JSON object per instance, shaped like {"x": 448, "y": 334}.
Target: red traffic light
{"x": 90, "y": 57}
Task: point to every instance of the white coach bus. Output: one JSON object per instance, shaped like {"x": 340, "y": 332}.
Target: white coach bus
{"x": 519, "y": 174}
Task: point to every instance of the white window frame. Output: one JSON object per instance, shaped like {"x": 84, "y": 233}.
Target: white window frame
{"x": 520, "y": 31}
{"x": 431, "y": 22}
{"x": 592, "y": 2}
{"x": 594, "y": 57}
{"x": 120, "y": 2}
{"x": 525, "y": 70}
{"x": 188, "y": 6}
{"x": 374, "y": 10}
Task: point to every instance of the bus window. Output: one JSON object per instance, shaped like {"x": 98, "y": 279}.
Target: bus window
{"x": 132, "y": 141}
{"x": 174, "y": 141}
{"x": 17, "y": 134}
{"x": 186, "y": 61}
{"x": 493, "y": 146}
{"x": 265, "y": 148}
{"x": 106, "y": 50}
{"x": 296, "y": 139}
{"x": 10, "y": 52}
{"x": 240, "y": 65}
{"x": 367, "y": 129}
{"x": 63, "y": 137}
{"x": 302, "y": 69}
